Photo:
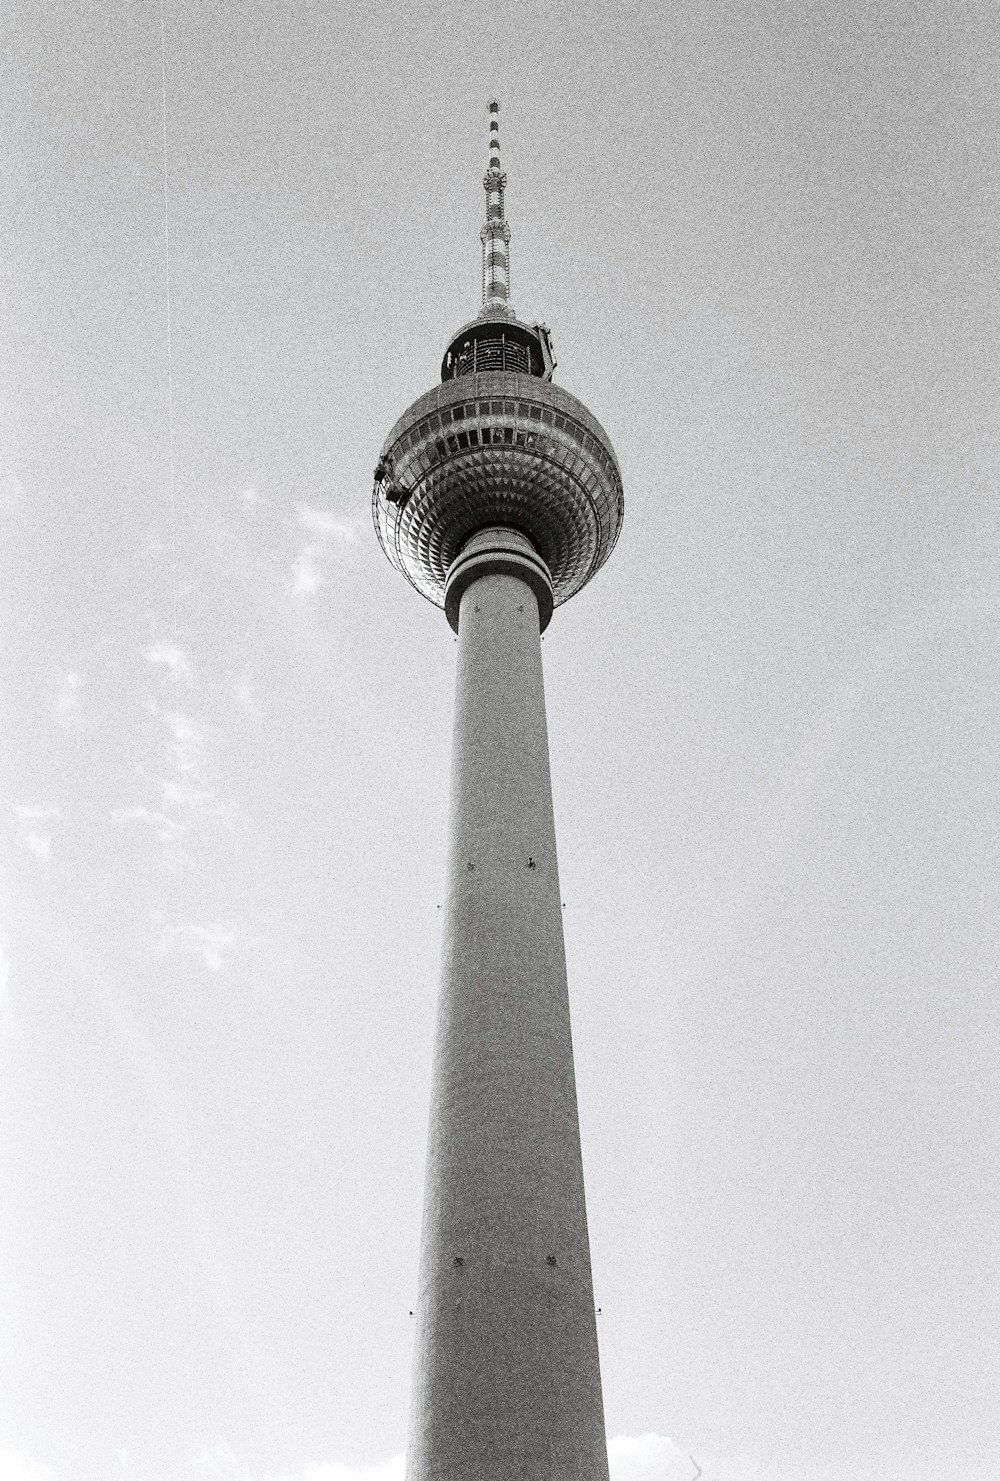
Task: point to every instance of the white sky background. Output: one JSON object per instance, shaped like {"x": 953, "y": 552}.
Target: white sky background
{"x": 765, "y": 236}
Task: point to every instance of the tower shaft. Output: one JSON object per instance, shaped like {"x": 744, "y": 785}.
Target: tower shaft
{"x": 507, "y": 1381}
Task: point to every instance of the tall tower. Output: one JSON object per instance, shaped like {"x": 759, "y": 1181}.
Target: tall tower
{"x": 498, "y": 496}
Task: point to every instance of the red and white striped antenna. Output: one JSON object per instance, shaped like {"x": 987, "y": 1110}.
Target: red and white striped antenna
{"x": 495, "y": 235}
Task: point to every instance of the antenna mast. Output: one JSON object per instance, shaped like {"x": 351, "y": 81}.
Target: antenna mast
{"x": 495, "y": 235}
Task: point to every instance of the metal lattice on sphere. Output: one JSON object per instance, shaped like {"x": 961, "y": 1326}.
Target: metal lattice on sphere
{"x": 497, "y": 448}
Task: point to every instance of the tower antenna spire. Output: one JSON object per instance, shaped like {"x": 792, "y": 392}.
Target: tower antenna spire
{"x": 495, "y": 235}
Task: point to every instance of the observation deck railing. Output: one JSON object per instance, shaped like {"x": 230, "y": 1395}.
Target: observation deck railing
{"x": 481, "y": 354}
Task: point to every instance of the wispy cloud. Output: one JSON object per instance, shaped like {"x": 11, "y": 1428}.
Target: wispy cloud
{"x": 185, "y": 797}
{"x": 36, "y": 840}
{"x": 187, "y": 742}
{"x": 332, "y": 528}
{"x": 212, "y": 943}
{"x": 168, "y": 656}
{"x": 182, "y": 799}
{"x": 651, "y": 1458}
{"x": 16, "y": 1466}
{"x": 331, "y": 535}
{"x": 307, "y": 578}
{"x": 178, "y": 802}
{"x": 630, "y": 1458}
{"x": 188, "y": 799}
{"x": 390, "y": 1470}
{"x": 166, "y": 829}
{"x": 221, "y": 1464}
{"x": 184, "y": 793}
{"x": 68, "y": 705}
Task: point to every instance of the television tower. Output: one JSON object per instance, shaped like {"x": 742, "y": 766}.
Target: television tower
{"x": 498, "y": 496}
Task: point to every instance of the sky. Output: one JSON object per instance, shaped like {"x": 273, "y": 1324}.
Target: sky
{"x": 765, "y": 239}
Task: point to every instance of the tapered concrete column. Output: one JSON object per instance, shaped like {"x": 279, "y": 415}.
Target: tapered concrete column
{"x": 507, "y": 1383}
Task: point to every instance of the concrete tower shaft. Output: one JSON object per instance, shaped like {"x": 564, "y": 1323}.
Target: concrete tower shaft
{"x": 507, "y": 1380}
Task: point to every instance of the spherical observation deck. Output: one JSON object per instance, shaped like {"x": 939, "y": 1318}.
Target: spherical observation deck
{"x": 497, "y": 444}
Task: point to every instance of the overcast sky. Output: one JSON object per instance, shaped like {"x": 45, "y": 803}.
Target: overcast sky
{"x": 765, "y": 237}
